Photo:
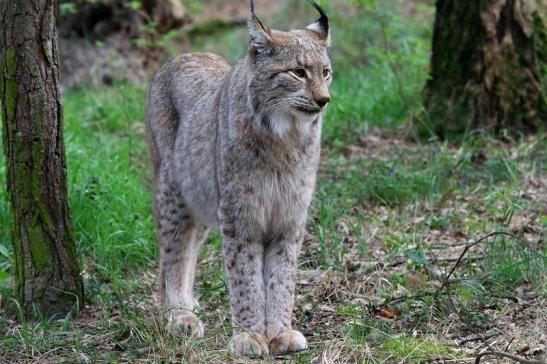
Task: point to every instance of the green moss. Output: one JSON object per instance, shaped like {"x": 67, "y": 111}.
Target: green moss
{"x": 47, "y": 51}
{"x": 32, "y": 68}
{"x": 19, "y": 261}
{"x": 41, "y": 255}
{"x": 47, "y": 43}
{"x": 11, "y": 86}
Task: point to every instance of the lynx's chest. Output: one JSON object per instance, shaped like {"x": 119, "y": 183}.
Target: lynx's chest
{"x": 267, "y": 182}
{"x": 284, "y": 197}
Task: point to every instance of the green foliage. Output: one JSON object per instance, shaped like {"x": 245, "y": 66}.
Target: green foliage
{"x": 379, "y": 67}
{"x": 108, "y": 169}
{"x": 67, "y": 7}
{"x": 193, "y": 6}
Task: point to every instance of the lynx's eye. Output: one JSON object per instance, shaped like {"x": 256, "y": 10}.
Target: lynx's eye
{"x": 299, "y": 72}
{"x": 327, "y": 73}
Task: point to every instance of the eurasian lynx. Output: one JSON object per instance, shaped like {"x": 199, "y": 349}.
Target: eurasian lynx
{"x": 237, "y": 149}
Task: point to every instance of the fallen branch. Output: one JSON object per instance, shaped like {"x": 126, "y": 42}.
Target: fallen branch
{"x": 212, "y": 26}
{"x": 476, "y": 337}
{"x": 455, "y": 259}
{"x": 509, "y": 356}
{"x": 469, "y": 246}
{"x": 394, "y": 300}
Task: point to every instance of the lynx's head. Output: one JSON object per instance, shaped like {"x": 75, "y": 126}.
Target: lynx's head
{"x": 290, "y": 73}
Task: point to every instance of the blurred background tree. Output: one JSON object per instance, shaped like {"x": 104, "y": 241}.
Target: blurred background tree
{"x": 487, "y": 65}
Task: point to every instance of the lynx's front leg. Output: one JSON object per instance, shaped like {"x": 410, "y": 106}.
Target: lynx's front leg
{"x": 280, "y": 275}
{"x": 243, "y": 259}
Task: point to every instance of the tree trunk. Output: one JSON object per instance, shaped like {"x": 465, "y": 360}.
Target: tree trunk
{"x": 46, "y": 270}
{"x": 488, "y": 60}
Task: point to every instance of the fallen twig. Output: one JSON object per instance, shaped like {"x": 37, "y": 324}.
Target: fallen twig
{"x": 507, "y": 355}
{"x": 416, "y": 297}
{"x": 469, "y": 246}
{"x": 476, "y": 337}
{"x": 214, "y": 25}
{"x": 454, "y": 259}
{"x": 447, "y": 281}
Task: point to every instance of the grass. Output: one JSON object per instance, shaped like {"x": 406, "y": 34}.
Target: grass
{"x": 109, "y": 192}
{"x": 389, "y": 220}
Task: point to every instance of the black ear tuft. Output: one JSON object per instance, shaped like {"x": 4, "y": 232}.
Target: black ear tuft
{"x": 321, "y": 26}
{"x": 260, "y": 35}
{"x": 324, "y": 19}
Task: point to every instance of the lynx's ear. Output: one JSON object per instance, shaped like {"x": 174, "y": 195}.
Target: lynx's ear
{"x": 321, "y": 26}
{"x": 260, "y": 35}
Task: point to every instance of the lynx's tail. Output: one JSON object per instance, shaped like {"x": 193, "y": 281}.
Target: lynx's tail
{"x": 162, "y": 120}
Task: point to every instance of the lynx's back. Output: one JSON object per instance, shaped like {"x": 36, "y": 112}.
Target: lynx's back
{"x": 182, "y": 124}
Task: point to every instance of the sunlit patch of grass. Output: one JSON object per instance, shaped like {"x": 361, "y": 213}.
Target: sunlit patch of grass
{"x": 409, "y": 349}
{"x": 108, "y": 171}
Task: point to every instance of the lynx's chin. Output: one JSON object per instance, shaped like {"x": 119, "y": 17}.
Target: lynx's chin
{"x": 293, "y": 121}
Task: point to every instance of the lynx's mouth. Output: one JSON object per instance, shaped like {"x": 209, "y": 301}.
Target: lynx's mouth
{"x": 308, "y": 110}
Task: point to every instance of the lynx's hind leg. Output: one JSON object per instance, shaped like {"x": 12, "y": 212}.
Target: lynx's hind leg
{"x": 180, "y": 238}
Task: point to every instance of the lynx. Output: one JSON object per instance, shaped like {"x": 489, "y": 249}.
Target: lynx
{"x": 237, "y": 149}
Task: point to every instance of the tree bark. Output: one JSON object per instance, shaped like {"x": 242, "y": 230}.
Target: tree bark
{"x": 489, "y": 57}
{"x": 46, "y": 270}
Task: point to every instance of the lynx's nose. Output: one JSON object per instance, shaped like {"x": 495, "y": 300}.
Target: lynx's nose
{"x": 322, "y": 101}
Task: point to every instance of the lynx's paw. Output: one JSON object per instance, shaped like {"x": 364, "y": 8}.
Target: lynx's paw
{"x": 249, "y": 344}
{"x": 186, "y": 323}
{"x": 287, "y": 342}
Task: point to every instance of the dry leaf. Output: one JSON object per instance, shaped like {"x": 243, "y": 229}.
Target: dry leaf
{"x": 387, "y": 313}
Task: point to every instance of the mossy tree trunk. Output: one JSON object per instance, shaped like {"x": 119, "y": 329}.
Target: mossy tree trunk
{"x": 488, "y": 61}
{"x": 46, "y": 271}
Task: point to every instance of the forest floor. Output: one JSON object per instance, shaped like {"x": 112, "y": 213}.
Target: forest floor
{"x": 416, "y": 252}
{"x": 419, "y": 250}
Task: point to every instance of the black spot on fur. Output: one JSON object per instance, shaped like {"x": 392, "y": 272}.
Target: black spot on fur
{"x": 228, "y": 233}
